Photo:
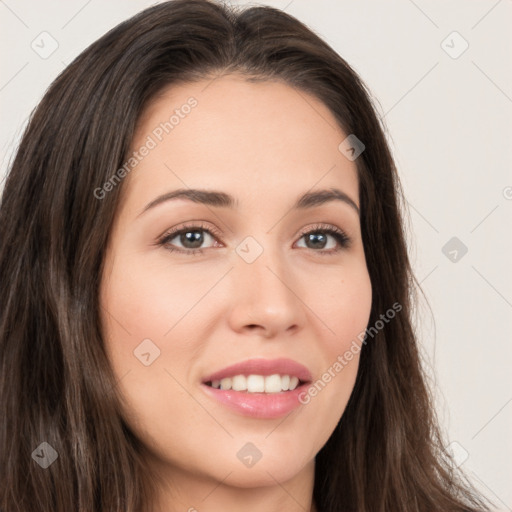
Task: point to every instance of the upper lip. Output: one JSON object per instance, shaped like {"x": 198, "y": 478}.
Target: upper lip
{"x": 281, "y": 366}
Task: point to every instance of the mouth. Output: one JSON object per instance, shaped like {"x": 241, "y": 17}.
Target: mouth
{"x": 261, "y": 397}
{"x": 259, "y": 388}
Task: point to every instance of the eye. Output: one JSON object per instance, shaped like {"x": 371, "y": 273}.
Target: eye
{"x": 192, "y": 237}
{"x": 318, "y": 238}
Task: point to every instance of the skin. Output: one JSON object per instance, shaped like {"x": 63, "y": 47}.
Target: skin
{"x": 265, "y": 144}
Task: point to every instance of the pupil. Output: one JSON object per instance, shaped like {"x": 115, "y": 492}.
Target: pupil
{"x": 315, "y": 238}
{"x": 193, "y": 237}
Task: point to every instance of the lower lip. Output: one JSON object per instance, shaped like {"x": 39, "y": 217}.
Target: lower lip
{"x": 258, "y": 405}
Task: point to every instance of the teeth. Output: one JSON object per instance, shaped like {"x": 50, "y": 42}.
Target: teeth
{"x": 273, "y": 384}
{"x": 239, "y": 383}
{"x": 294, "y": 381}
{"x": 257, "y": 383}
{"x": 225, "y": 383}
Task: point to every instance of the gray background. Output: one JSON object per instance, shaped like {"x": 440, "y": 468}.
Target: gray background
{"x": 448, "y": 114}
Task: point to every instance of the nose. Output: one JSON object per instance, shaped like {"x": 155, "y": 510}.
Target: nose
{"x": 265, "y": 297}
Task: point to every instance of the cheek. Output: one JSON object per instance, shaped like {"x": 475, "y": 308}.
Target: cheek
{"x": 344, "y": 307}
{"x": 141, "y": 314}
{"x": 141, "y": 308}
{"x": 148, "y": 299}
{"x": 344, "y": 303}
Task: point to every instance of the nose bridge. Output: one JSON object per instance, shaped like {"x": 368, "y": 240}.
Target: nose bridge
{"x": 263, "y": 286}
{"x": 265, "y": 274}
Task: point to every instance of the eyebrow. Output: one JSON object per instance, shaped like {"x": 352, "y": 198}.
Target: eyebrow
{"x": 223, "y": 200}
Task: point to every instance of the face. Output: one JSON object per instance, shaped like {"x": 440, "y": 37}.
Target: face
{"x": 190, "y": 288}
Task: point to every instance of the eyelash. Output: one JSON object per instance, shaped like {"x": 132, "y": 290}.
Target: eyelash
{"x": 341, "y": 237}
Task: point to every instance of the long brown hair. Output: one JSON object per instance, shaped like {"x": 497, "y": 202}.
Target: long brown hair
{"x": 56, "y": 385}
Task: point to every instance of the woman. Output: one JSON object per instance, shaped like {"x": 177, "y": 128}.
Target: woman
{"x": 268, "y": 360}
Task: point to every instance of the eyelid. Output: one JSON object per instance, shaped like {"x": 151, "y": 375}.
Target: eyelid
{"x": 324, "y": 227}
{"x": 190, "y": 226}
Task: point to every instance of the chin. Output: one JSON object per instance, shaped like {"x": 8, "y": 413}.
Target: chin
{"x": 261, "y": 474}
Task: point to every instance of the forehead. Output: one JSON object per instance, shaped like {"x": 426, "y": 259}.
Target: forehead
{"x": 260, "y": 141}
